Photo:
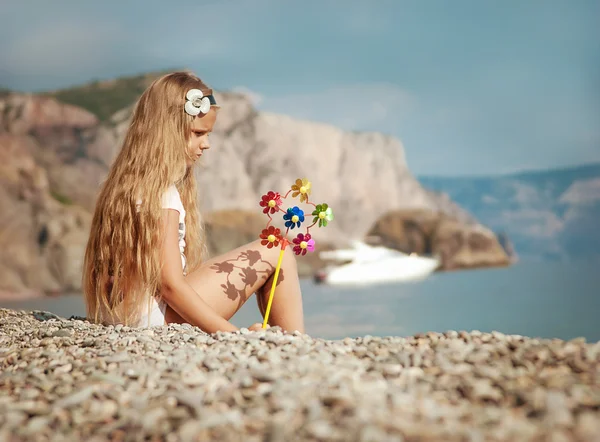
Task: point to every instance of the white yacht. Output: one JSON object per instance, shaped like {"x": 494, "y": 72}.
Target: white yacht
{"x": 365, "y": 264}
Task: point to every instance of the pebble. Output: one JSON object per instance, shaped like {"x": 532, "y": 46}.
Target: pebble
{"x": 73, "y": 380}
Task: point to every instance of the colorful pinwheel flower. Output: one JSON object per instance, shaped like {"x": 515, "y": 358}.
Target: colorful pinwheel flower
{"x": 303, "y": 243}
{"x": 302, "y": 188}
{"x": 294, "y": 217}
{"x": 271, "y": 202}
{"x": 270, "y": 237}
{"x": 323, "y": 214}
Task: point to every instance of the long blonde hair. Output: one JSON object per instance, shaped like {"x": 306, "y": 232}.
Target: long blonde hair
{"x": 122, "y": 267}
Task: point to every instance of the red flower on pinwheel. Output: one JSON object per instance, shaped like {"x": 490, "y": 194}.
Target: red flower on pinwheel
{"x": 271, "y": 202}
{"x": 271, "y": 237}
{"x": 303, "y": 243}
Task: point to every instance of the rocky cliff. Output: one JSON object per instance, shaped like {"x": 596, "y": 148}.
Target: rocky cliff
{"x": 41, "y": 235}
{"x": 54, "y": 156}
{"x": 458, "y": 245}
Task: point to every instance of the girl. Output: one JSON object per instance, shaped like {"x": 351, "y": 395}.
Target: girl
{"x": 143, "y": 262}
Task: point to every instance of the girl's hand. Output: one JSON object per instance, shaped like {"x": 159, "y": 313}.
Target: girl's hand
{"x": 257, "y": 327}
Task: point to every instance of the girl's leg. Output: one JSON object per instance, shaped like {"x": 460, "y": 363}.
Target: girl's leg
{"x": 226, "y": 282}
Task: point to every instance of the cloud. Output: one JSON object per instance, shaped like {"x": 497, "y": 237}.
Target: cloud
{"x": 535, "y": 223}
{"x": 63, "y": 46}
{"x": 362, "y": 18}
{"x": 78, "y": 42}
{"x": 374, "y": 106}
{"x": 254, "y": 97}
{"x": 582, "y": 192}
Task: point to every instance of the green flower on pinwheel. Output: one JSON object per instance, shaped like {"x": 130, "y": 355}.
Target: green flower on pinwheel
{"x": 323, "y": 214}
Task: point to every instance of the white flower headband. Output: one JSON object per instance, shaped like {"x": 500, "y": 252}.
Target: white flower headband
{"x": 197, "y": 102}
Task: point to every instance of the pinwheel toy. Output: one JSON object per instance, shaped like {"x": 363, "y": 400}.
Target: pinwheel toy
{"x": 294, "y": 217}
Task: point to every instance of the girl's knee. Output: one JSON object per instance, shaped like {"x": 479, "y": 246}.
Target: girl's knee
{"x": 272, "y": 255}
{"x": 289, "y": 259}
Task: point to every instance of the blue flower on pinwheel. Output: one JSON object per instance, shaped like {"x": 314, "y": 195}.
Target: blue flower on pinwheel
{"x": 294, "y": 217}
{"x": 323, "y": 214}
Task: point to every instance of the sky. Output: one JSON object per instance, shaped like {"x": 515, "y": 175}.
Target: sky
{"x": 468, "y": 86}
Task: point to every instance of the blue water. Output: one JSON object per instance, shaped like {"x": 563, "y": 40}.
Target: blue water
{"x": 538, "y": 299}
{"x": 534, "y": 299}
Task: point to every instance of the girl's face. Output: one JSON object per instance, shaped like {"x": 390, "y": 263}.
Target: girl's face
{"x": 201, "y": 128}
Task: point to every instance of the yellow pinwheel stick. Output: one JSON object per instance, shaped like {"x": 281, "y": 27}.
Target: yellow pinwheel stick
{"x": 284, "y": 243}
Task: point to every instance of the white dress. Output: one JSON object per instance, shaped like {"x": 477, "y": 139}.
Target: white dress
{"x": 153, "y": 313}
{"x": 171, "y": 200}
{"x": 156, "y": 316}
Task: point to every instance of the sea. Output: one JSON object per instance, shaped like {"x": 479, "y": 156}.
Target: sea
{"x": 535, "y": 299}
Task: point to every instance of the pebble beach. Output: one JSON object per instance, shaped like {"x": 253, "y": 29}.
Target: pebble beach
{"x": 66, "y": 379}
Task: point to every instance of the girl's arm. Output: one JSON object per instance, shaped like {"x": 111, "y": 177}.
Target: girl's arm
{"x": 176, "y": 291}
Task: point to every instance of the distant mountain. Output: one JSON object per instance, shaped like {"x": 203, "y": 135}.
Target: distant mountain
{"x": 551, "y": 214}
{"x": 104, "y": 98}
